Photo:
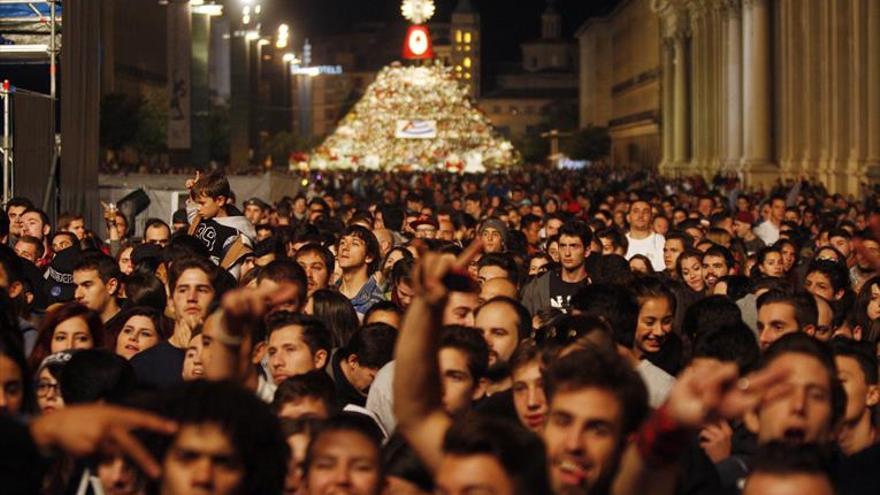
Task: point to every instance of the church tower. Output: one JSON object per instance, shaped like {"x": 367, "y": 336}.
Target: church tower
{"x": 550, "y": 51}
{"x": 551, "y": 23}
{"x": 465, "y": 36}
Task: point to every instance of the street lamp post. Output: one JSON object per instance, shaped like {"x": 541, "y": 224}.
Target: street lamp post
{"x": 241, "y": 105}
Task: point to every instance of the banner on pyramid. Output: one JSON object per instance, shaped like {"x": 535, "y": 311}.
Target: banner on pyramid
{"x": 416, "y": 129}
{"x": 415, "y": 118}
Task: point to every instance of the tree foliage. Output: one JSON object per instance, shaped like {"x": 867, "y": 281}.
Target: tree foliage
{"x": 589, "y": 143}
{"x": 281, "y": 144}
{"x": 135, "y": 122}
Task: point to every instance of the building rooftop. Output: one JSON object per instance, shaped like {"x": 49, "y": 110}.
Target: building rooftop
{"x": 539, "y": 93}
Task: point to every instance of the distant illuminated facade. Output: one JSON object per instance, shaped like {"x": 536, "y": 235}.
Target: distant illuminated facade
{"x": 465, "y": 46}
{"x": 764, "y": 89}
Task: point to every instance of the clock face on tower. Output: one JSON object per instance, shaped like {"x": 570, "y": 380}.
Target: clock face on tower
{"x": 418, "y": 43}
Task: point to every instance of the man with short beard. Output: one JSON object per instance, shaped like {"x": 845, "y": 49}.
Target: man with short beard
{"x": 504, "y": 323}
{"x": 718, "y": 262}
{"x": 596, "y": 401}
{"x": 318, "y": 263}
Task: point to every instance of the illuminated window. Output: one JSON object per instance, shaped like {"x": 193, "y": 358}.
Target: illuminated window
{"x": 458, "y": 35}
{"x": 467, "y": 48}
{"x": 458, "y": 68}
{"x": 467, "y": 37}
{"x": 467, "y": 62}
{"x": 467, "y": 75}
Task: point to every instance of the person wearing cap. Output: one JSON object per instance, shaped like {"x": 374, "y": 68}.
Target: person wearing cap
{"x": 425, "y": 227}
{"x": 493, "y": 232}
{"x": 263, "y": 254}
{"x": 179, "y": 221}
{"x": 255, "y": 210}
{"x": 59, "y": 276}
{"x": 47, "y": 387}
{"x": 742, "y": 228}
{"x": 62, "y": 240}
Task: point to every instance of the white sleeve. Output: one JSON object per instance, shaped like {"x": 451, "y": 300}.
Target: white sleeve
{"x": 380, "y": 399}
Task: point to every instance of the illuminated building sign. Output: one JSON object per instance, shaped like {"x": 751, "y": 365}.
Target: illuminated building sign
{"x": 318, "y": 70}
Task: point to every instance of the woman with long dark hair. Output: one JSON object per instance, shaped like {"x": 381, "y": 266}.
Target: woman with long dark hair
{"x": 336, "y": 313}
{"x": 139, "y": 328}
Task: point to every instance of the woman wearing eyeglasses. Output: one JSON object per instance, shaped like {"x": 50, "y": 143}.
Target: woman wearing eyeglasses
{"x": 48, "y": 392}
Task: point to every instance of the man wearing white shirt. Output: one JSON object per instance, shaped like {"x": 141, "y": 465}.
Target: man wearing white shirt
{"x": 768, "y": 231}
{"x": 642, "y": 239}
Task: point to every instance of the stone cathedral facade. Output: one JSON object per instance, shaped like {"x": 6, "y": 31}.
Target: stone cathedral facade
{"x": 765, "y": 88}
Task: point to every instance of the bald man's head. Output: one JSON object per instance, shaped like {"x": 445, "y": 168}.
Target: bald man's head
{"x": 386, "y": 240}
{"x": 495, "y": 287}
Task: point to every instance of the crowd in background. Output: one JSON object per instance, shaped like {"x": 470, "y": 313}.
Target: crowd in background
{"x": 523, "y": 332}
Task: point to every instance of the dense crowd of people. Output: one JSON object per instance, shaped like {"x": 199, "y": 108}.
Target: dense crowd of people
{"x": 590, "y": 332}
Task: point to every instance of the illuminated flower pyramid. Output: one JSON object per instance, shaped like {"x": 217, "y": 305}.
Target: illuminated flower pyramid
{"x": 415, "y": 118}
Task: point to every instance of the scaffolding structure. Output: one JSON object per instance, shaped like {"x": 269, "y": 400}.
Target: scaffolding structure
{"x": 29, "y": 33}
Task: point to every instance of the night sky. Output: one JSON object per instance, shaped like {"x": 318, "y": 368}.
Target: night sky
{"x": 505, "y": 23}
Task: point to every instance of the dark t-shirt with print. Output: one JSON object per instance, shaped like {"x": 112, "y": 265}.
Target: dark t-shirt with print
{"x": 561, "y": 292}
{"x": 215, "y": 236}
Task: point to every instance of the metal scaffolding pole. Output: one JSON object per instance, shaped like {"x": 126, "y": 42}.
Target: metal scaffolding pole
{"x": 6, "y": 145}
{"x": 56, "y": 148}
{"x": 51, "y": 49}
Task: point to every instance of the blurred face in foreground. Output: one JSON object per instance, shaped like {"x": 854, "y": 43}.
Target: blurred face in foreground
{"x": 473, "y": 474}
{"x": 528, "y": 396}
{"x": 344, "y": 461}
{"x": 788, "y": 484}
{"x": 201, "y": 460}
{"x": 583, "y": 439}
{"x": 803, "y": 413}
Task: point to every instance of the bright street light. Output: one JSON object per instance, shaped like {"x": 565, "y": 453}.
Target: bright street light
{"x": 283, "y": 37}
{"x": 211, "y": 9}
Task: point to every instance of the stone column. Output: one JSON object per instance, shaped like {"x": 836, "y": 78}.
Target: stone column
{"x": 681, "y": 124}
{"x": 698, "y": 48}
{"x": 733, "y": 127}
{"x": 667, "y": 55}
{"x": 757, "y": 105}
{"x": 873, "y": 96}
